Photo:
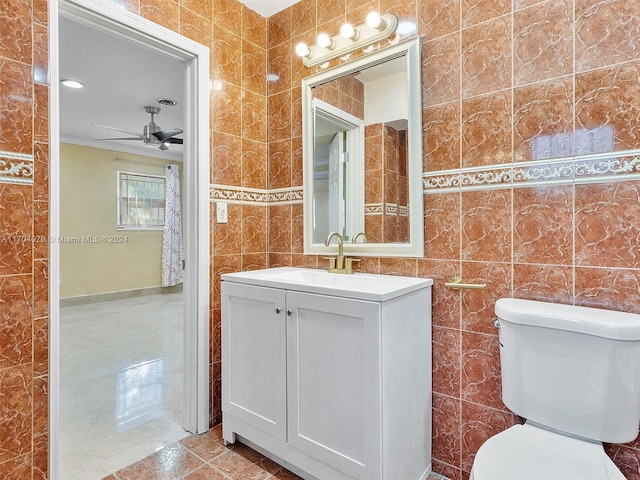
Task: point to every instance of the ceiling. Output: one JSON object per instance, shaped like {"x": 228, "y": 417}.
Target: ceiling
{"x": 122, "y": 77}
{"x": 266, "y": 8}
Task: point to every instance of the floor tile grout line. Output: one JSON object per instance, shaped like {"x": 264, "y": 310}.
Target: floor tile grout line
{"x": 204, "y": 464}
{"x": 198, "y": 467}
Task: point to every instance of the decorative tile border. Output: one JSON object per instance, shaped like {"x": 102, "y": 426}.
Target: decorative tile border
{"x": 257, "y": 196}
{"x": 593, "y": 168}
{"x": 16, "y": 168}
{"x": 388, "y": 209}
{"x": 373, "y": 209}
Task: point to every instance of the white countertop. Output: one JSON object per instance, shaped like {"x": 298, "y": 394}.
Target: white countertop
{"x": 363, "y": 286}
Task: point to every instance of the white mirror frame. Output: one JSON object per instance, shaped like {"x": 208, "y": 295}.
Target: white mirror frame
{"x": 415, "y": 246}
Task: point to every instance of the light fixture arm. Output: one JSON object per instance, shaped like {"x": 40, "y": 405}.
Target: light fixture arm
{"x": 366, "y": 35}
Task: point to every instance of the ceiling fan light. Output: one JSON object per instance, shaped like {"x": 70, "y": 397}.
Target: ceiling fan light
{"x": 153, "y": 135}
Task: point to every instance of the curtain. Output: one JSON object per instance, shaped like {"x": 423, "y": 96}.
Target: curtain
{"x": 172, "y": 254}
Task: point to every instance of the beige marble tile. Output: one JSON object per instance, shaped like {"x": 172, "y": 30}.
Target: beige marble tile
{"x": 121, "y": 383}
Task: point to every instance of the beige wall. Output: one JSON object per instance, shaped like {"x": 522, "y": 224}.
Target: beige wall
{"x": 128, "y": 259}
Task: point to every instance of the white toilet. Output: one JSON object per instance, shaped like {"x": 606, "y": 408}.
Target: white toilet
{"x": 574, "y": 374}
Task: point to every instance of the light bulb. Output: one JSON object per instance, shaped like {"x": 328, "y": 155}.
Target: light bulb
{"x": 348, "y": 32}
{"x": 302, "y": 50}
{"x": 374, "y": 20}
{"x": 406, "y": 28}
{"x": 324, "y": 41}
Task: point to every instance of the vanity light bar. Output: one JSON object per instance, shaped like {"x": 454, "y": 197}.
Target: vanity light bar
{"x": 341, "y": 44}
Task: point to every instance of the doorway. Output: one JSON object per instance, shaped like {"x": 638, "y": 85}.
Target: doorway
{"x": 195, "y": 208}
{"x": 337, "y": 169}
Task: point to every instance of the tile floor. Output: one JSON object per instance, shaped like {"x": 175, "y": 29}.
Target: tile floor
{"x": 121, "y": 400}
{"x": 200, "y": 457}
{"x": 204, "y": 457}
{"x": 121, "y": 383}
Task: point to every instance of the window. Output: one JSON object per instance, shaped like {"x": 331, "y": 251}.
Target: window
{"x": 140, "y": 201}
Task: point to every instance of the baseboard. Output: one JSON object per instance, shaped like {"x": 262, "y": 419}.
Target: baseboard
{"x": 120, "y": 295}
{"x": 437, "y": 476}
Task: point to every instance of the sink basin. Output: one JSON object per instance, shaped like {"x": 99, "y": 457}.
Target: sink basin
{"x": 359, "y": 285}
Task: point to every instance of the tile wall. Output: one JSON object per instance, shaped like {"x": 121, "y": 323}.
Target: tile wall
{"x": 23, "y": 247}
{"x": 237, "y": 37}
{"x": 386, "y": 204}
{"x": 506, "y": 86}
{"x": 374, "y": 174}
{"x": 396, "y": 215}
{"x": 498, "y": 76}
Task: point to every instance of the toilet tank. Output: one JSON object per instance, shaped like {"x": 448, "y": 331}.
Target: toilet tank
{"x": 573, "y": 369}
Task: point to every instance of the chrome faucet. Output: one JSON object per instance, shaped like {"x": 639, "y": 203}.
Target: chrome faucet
{"x": 339, "y": 264}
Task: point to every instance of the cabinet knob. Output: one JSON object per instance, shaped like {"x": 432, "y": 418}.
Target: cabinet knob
{"x": 278, "y": 309}
{"x": 289, "y": 312}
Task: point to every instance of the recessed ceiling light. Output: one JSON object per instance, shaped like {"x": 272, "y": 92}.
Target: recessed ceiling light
{"x": 67, "y": 82}
{"x": 167, "y": 102}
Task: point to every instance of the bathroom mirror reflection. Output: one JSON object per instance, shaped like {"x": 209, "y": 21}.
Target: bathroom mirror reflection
{"x": 337, "y": 172}
{"x": 363, "y": 154}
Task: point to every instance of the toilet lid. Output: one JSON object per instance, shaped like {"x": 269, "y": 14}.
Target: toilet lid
{"x": 526, "y": 452}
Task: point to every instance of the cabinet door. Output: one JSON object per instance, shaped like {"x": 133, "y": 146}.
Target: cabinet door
{"x": 254, "y": 356}
{"x": 334, "y": 381}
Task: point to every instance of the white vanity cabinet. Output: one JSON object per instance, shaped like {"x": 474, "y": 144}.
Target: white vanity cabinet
{"x": 331, "y": 380}
{"x": 255, "y": 357}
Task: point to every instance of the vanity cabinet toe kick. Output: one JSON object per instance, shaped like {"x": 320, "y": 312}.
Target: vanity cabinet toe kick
{"x": 331, "y": 388}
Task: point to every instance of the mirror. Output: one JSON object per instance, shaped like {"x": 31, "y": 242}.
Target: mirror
{"x": 362, "y": 155}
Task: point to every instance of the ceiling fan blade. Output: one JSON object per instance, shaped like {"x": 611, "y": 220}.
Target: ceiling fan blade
{"x": 173, "y": 140}
{"x": 140, "y": 136}
{"x": 123, "y": 138}
{"x": 162, "y": 135}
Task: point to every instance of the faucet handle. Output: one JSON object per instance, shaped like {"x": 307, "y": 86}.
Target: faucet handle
{"x": 348, "y": 263}
{"x": 332, "y": 262}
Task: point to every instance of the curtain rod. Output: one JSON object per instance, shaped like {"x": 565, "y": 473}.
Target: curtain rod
{"x": 149, "y": 164}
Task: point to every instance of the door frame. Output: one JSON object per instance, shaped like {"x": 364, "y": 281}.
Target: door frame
{"x": 195, "y": 195}
{"x": 352, "y": 210}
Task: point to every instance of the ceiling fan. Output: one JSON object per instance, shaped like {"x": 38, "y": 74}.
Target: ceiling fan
{"x": 152, "y": 134}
